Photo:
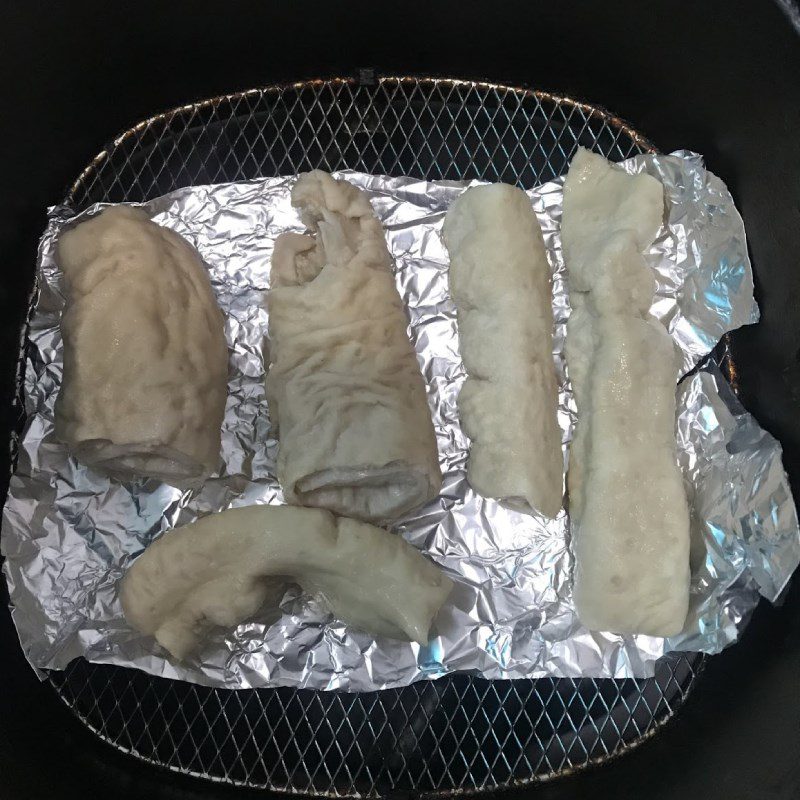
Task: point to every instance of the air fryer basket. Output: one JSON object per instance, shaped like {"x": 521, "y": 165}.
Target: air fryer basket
{"x": 458, "y": 733}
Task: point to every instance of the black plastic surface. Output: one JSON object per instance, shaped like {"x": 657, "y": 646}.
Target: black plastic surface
{"x": 719, "y": 77}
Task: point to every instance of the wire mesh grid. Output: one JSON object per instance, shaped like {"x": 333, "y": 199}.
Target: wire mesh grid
{"x": 460, "y": 733}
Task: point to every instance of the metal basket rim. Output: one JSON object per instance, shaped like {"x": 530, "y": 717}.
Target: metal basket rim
{"x": 589, "y": 109}
{"x": 427, "y": 81}
{"x": 436, "y": 794}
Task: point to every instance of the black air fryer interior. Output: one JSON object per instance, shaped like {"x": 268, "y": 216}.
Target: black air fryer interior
{"x": 722, "y": 78}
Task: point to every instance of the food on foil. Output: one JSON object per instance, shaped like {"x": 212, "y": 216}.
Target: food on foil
{"x": 517, "y": 586}
{"x": 145, "y": 357}
{"x": 344, "y": 387}
{"x": 225, "y": 567}
{"x": 628, "y": 509}
{"x": 500, "y": 282}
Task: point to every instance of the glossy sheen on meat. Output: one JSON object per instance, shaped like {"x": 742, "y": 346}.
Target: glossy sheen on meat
{"x": 145, "y": 358}
{"x": 501, "y": 284}
{"x": 628, "y": 510}
{"x": 344, "y": 386}
{"x": 226, "y": 567}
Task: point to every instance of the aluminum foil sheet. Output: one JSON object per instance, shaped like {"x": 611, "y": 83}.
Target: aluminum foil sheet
{"x": 69, "y": 534}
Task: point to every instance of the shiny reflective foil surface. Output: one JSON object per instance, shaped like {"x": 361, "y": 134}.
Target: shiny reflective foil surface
{"x": 69, "y": 533}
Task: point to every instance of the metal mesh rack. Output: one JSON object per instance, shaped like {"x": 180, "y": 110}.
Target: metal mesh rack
{"x": 459, "y": 733}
